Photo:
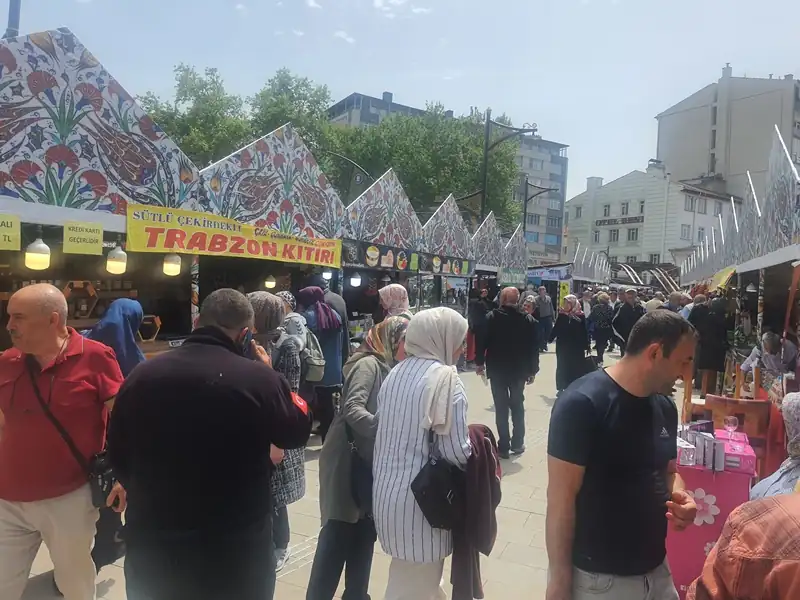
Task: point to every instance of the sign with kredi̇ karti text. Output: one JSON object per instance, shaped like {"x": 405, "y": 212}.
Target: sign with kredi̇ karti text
{"x": 83, "y": 238}
{"x": 165, "y": 230}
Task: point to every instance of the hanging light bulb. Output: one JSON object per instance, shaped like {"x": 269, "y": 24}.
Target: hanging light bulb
{"x": 751, "y": 289}
{"x": 355, "y": 280}
{"x": 327, "y": 274}
{"x": 117, "y": 260}
{"x": 270, "y": 282}
{"x": 172, "y": 265}
{"x": 386, "y": 279}
{"x": 37, "y": 254}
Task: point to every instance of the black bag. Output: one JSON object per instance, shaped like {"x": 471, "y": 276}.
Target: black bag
{"x": 97, "y": 468}
{"x": 437, "y": 491}
{"x": 360, "y": 475}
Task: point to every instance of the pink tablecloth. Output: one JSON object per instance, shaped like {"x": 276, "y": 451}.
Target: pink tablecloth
{"x": 716, "y": 495}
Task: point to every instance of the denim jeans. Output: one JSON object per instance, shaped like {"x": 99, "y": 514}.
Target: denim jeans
{"x": 508, "y": 393}
{"x": 655, "y": 585}
{"x": 545, "y": 327}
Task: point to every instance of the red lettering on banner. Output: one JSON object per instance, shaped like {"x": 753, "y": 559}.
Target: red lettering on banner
{"x": 269, "y": 249}
{"x": 237, "y": 246}
{"x": 326, "y": 256}
{"x": 309, "y": 251}
{"x": 198, "y": 241}
{"x": 153, "y": 233}
{"x": 317, "y": 253}
{"x": 218, "y": 243}
{"x": 288, "y": 251}
{"x": 252, "y": 247}
{"x": 175, "y": 238}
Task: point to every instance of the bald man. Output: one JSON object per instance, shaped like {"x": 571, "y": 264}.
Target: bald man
{"x": 44, "y": 490}
{"x": 510, "y": 348}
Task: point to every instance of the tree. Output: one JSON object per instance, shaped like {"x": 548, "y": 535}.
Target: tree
{"x": 204, "y": 120}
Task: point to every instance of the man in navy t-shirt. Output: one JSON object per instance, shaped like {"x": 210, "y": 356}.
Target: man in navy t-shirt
{"x": 613, "y": 483}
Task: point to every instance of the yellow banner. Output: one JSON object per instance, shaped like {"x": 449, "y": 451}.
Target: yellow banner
{"x": 10, "y": 237}
{"x": 83, "y": 238}
{"x": 153, "y": 229}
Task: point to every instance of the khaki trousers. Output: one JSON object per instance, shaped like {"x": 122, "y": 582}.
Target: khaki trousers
{"x": 415, "y": 581}
{"x": 66, "y": 525}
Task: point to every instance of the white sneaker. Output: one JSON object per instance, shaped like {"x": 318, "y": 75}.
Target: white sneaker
{"x": 281, "y": 557}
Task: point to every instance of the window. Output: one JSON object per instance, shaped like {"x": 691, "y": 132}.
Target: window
{"x": 655, "y": 258}
{"x": 717, "y": 208}
{"x": 555, "y": 204}
{"x": 554, "y": 221}
{"x": 612, "y": 260}
{"x": 578, "y": 212}
{"x": 552, "y": 239}
{"x": 624, "y": 211}
{"x": 702, "y": 205}
{"x": 535, "y": 164}
{"x": 701, "y": 234}
{"x": 537, "y": 219}
{"x": 596, "y": 236}
{"x": 686, "y": 232}
{"x": 606, "y": 210}
{"x": 520, "y": 160}
{"x": 633, "y": 234}
{"x": 688, "y": 203}
{"x": 631, "y": 259}
{"x": 641, "y": 207}
{"x": 532, "y": 237}
{"x": 613, "y": 235}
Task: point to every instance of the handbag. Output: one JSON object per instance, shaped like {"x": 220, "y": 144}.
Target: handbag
{"x": 437, "y": 491}
{"x": 97, "y": 469}
{"x": 360, "y": 475}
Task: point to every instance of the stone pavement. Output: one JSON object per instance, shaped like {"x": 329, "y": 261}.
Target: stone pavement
{"x": 516, "y": 569}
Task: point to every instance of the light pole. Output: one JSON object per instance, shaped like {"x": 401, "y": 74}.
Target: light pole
{"x": 14, "y": 8}
{"x": 539, "y": 192}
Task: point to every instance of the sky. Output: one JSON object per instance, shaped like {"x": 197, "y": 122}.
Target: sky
{"x": 590, "y": 73}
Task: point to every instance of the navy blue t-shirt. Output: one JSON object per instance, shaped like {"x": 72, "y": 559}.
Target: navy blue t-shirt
{"x": 625, "y": 443}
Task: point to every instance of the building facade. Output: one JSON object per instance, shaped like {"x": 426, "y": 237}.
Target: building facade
{"x": 713, "y": 137}
{"x": 644, "y": 218}
{"x": 360, "y": 110}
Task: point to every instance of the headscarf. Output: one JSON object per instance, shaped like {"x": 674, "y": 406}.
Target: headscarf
{"x": 289, "y": 299}
{"x": 786, "y": 478}
{"x": 117, "y": 330}
{"x": 382, "y": 342}
{"x": 313, "y": 298}
{"x": 790, "y": 407}
{"x": 268, "y": 313}
{"x": 436, "y": 334}
{"x": 394, "y": 299}
{"x": 572, "y": 308}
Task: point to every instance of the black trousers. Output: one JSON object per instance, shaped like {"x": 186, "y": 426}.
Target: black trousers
{"x": 347, "y": 546}
{"x": 280, "y": 528}
{"x": 508, "y": 392}
{"x": 240, "y": 568}
{"x": 601, "y": 338}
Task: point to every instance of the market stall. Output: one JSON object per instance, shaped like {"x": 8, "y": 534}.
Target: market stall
{"x": 556, "y": 279}
{"x": 446, "y": 263}
{"x": 488, "y": 246}
{"x": 382, "y": 241}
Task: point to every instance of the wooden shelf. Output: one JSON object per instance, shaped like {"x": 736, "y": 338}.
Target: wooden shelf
{"x": 82, "y": 323}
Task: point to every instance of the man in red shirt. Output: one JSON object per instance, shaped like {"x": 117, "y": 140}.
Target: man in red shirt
{"x": 44, "y": 494}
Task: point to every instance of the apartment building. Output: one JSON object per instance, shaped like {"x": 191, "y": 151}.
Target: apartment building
{"x": 713, "y": 137}
{"x": 644, "y": 218}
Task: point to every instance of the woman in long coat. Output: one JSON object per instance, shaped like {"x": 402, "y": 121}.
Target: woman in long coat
{"x": 712, "y": 347}
{"x": 347, "y": 538}
{"x": 572, "y": 343}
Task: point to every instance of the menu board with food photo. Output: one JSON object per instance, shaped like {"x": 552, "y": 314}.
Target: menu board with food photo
{"x": 375, "y": 256}
{"x": 443, "y": 265}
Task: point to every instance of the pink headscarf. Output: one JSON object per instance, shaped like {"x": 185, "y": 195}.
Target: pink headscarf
{"x": 394, "y": 299}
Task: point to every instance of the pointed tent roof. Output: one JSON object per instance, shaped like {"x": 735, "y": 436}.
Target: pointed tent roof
{"x": 488, "y": 245}
{"x": 383, "y": 215}
{"x": 446, "y": 234}
{"x": 274, "y": 182}
{"x": 72, "y": 136}
{"x": 515, "y": 255}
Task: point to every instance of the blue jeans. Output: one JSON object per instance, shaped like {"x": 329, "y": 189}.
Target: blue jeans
{"x": 545, "y": 327}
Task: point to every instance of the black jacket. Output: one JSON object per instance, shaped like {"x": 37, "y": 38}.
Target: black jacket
{"x": 510, "y": 343}
{"x": 337, "y": 303}
{"x": 190, "y": 436}
{"x": 625, "y": 318}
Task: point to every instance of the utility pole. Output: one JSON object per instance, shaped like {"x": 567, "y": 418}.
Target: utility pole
{"x": 14, "y": 9}
{"x": 487, "y": 133}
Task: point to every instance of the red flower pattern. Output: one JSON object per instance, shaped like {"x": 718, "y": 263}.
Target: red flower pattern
{"x": 262, "y": 146}
{"x": 62, "y": 156}
{"x": 245, "y": 159}
{"x": 115, "y": 88}
{"x": 119, "y": 203}
{"x": 261, "y": 223}
{"x": 272, "y": 218}
{"x": 278, "y": 161}
{"x": 7, "y": 60}
{"x": 96, "y": 183}
{"x": 300, "y": 220}
{"x": 90, "y": 95}
{"x": 148, "y": 128}
{"x": 25, "y": 170}
{"x": 39, "y": 81}
{"x": 287, "y": 207}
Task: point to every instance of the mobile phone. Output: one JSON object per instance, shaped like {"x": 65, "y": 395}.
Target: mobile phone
{"x": 247, "y": 346}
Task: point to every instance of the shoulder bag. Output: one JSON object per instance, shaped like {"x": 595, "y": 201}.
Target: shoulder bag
{"x": 360, "y": 475}
{"x": 97, "y": 468}
{"x": 437, "y": 490}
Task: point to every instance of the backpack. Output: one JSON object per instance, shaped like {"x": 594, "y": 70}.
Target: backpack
{"x": 312, "y": 361}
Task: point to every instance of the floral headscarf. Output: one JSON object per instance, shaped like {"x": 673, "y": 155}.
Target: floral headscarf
{"x": 382, "y": 342}
{"x": 268, "y": 314}
{"x": 394, "y": 299}
{"x": 572, "y": 307}
{"x": 289, "y": 299}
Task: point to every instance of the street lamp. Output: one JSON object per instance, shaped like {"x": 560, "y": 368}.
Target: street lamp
{"x": 14, "y": 8}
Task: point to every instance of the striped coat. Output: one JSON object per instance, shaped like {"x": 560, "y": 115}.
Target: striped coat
{"x": 401, "y": 450}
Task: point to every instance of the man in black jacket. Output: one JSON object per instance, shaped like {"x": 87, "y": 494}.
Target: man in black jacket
{"x": 190, "y": 440}
{"x": 510, "y": 346}
{"x": 625, "y": 317}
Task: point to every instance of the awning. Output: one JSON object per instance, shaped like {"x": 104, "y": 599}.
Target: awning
{"x": 721, "y": 278}
{"x": 778, "y": 257}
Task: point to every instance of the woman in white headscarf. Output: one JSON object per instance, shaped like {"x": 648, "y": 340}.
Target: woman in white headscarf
{"x": 423, "y": 393}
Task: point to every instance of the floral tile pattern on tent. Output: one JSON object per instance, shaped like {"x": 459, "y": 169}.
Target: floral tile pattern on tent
{"x": 383, "y": 215}
{"x": 72, "y": 136}
{"x": 777, "y": 219}
{"x": 274, "y": 182}
{"x": 487, "y": 243}
{"x": 515, "y": 254}
{"x": 446, "y": 234}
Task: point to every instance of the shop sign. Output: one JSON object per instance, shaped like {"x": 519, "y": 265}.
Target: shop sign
{"x": 561, "y": 273}
{"x": 164, "y": 230}
{"x": 511, "y": 276}
{"x": 444, "y": 265}
{"x": 83, "y": 238}
{"x": 375, "y": 256}
{"x": 621, "y": 221}
{"x": 10, "y": 237}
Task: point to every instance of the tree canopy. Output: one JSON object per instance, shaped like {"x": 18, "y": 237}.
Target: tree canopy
{"x": 433, "y": 155}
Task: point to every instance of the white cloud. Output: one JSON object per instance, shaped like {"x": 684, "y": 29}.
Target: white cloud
{"x": 451, "y": 75}
{"x": 389, "y": 15}
{"x": 241, "y": 9}
{"x": 313, "y": 4}
{"x": 279, "y": 4}
{"x": 342, "y": 35}
{"x": 418, "y": 10}
{"x": 397, "y": 2}
{"x": 298, "y": 33}
{"x": 377, "y": 3}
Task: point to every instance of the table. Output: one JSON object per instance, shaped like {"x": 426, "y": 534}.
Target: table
{"x": 716, "y": 495}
